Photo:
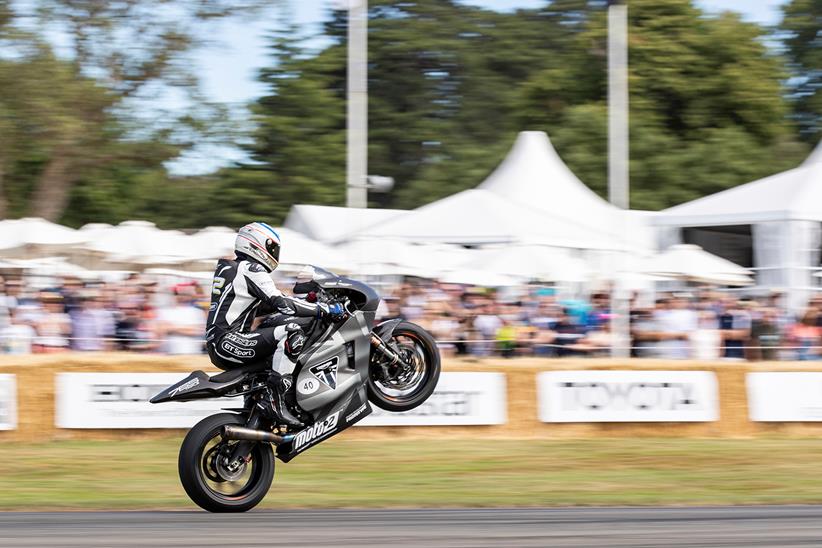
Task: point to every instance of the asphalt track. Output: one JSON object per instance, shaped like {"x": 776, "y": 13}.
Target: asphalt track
{"x": 782, "y": 526}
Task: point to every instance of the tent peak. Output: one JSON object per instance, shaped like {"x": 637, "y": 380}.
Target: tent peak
{"x": 815, "y": 157}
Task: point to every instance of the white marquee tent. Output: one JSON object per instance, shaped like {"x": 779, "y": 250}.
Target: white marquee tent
{"x": 331, "y": 224}
{"x": 780, "y": 218}
{"x": 532, "y": 197}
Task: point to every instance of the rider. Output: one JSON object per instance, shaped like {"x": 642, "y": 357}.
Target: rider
{"x": 242, "y": 290}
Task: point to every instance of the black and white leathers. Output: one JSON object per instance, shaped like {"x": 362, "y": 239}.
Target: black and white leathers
{"x": 242, "y": 290}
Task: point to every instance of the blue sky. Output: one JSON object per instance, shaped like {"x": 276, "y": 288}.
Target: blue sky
{"x": 229, "y": 66}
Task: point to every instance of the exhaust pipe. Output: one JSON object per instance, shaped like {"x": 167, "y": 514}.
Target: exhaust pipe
{"x": 231, "y": 432}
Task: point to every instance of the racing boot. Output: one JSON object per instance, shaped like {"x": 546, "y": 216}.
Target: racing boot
{"x": 279, "y": 386}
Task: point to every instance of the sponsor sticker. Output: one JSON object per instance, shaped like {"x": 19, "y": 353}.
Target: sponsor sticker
{"x": 235, "y": 350}
{"x": 242, "y": 340}
{"x": 355, "y": 414}
{"x": 185, "y": 386}
{"x": 317, "y": 431}
{"x": 308, "y": 386}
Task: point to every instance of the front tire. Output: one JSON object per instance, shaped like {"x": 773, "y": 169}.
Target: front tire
{"x": 404, "y": 388}
{"x": 207, "y": 480}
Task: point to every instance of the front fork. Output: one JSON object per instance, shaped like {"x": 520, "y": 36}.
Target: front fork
{"x": 387, "y": 351}
{"x": 394, "y": 360}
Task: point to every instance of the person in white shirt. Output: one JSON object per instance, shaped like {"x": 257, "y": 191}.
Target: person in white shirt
{"x": 17, "y": 337}
{"x": 181, "y": 326}
{"x": 674, "y": 327}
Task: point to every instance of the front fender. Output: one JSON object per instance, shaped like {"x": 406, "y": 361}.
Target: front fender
{"x": 385, "y": 329}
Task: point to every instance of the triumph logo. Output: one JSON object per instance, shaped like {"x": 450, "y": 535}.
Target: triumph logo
{"x": 326, "y": 372}
{"x": 319, "y": 430}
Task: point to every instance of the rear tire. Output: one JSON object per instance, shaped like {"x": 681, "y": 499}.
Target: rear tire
{"x": 203, "y": 482}
{"x": 419, "y": 347}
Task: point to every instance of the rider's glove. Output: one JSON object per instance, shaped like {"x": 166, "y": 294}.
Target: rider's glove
{"x": 333, "y": 311}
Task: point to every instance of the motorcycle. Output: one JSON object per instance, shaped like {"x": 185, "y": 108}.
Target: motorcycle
{"x": 226, "y": 461}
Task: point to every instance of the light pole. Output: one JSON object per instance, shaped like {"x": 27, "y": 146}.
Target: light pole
{"x": 618, "y": 174}
{"x": 357, "y": 105}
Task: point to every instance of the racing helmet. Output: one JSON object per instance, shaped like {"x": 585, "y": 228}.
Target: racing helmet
{"x": 259, "y": 242}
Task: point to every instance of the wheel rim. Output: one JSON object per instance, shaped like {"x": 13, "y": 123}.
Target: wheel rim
{"x": 223, "y": 482}
{"x": 406, "y": 381}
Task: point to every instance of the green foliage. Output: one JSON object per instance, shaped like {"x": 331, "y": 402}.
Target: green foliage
{"x": 802, "y": 36}
{"x": 450, "y": 85}
{"x": 75, "y": 137}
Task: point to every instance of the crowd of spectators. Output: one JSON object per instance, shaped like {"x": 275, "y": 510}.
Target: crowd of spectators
{"x": 697, "y": 324}
{"x": 140, "y": 314}
{"x": 133, "y": 314}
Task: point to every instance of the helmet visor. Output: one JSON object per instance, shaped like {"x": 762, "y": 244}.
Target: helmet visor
{"x": 273, "y": 249}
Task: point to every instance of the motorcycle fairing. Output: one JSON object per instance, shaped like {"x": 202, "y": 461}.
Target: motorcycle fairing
{"x": 332, "y": 366}
{"x": 199, "y": 386}
{"x": 336, "y": 417}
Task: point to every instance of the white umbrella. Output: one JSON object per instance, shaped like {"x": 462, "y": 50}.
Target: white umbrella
{"x": 370, "y": 255}
{"x": 173, "y": 273}
{"x": 32, "y": 237}
{"x": 212, "y": 242}
{"x": 691, "y": 263}
{"x": 531, "y": 262}
{"x": 482, "y": 278}
{"x": 139, "y": 243}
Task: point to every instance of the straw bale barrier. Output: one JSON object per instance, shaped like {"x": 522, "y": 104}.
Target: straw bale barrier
{"x": 36, "y": 395}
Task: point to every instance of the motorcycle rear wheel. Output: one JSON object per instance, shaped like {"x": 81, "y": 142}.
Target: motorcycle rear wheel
{"x": 207, "y": 480}
{"x": 405, "y": 387}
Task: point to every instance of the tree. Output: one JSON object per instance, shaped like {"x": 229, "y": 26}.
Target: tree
{"x": 801, "y": 33}
{"x": 121, "y": 55}
{"x": 450, "y": 85}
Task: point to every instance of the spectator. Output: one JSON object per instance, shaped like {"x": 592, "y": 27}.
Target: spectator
{"x": 18, "y": 336}
{"x": 93, "y": 326}
{"x": 181, "y": 325}
{"x": 486, "y": 325}
{"x": 569, "y": 332}
{"x": 674, "y": 325}
{"x": 805, "y": 336}
{"x": 132, "y": 330}
{"x": 7, "y": 304}
{"x": 54, "y": 325}
{"x": 765, "y": 336}
{"x": 735, "y": 324}
{"x": 706, "y": 339}
{"x": 643, "y": 333}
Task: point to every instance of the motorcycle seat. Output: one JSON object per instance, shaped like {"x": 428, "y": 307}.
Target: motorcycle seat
{"x": 237, "y": 372}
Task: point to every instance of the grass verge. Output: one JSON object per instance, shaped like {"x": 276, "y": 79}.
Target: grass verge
{"x": 426, "y": 473}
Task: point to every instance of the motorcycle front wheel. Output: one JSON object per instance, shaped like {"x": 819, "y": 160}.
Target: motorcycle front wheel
{"x": 404, "y": 386}
{"x": 207, "y": 475}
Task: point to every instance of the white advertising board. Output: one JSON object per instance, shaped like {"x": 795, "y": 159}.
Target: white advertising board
{"x": 120, "y": 400}
{"x": 784, "y": 396}
{"x": 627, "y": 396}
{"x": 8, "y": 401}
{"x": 460, "y": 399}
